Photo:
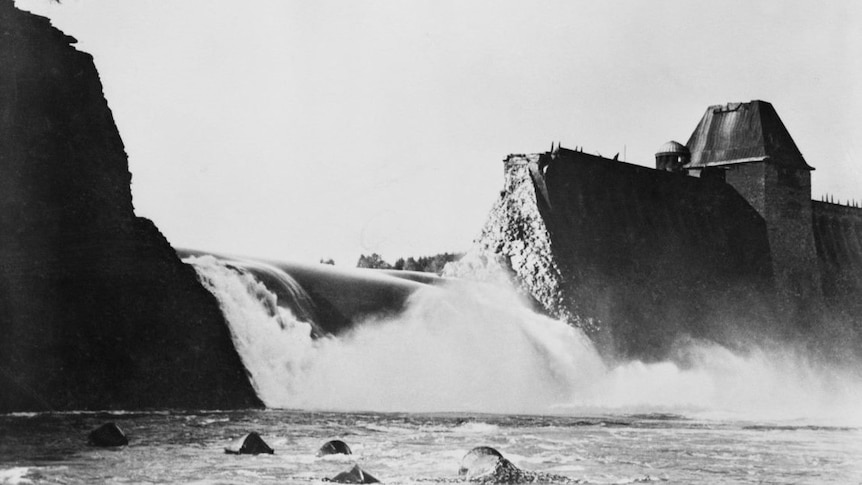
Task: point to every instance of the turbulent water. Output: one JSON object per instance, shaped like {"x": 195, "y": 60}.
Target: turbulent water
{"x": 466, "y": 365}
{"x": 422, "y": 448}
{"x": 476, "y": 348}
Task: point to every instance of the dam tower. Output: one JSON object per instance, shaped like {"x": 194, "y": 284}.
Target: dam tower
{"x": 672, "y": 157}
{"x": 748, "y": 146}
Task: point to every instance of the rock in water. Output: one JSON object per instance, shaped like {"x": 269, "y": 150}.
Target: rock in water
{"x": 486, "y": 465}
{"x": 478, "y": 460}
{"x": 250, "y": 444}
{"x": 334, "y": 447}
{"x": 106, "y": 435}
{"x": 355, "y": 475}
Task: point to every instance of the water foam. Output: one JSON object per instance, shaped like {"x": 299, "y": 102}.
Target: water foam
{"x": 14, "y": 475}
{"x": 271, "y": 341}
{"x": 474, "y": 347}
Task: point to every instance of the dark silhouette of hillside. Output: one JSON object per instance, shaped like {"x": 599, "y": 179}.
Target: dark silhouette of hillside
{"x": 96, "y": 310}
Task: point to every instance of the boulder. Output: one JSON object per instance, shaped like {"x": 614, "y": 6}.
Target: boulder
{"x": 486, "y": 465}
{"x": 334, "y": 447}
{"x": 480, "y": 461}
{"x": 354, "y": 475}
{"x": 107, "y": 435}
{"x": 250, "y": 444}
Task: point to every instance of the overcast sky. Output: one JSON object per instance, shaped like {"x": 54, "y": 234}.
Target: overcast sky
{"x": 307, "y": 130}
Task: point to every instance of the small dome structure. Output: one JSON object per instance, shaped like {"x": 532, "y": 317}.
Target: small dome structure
{"x": 672, "y": 156}
{"x": 673, "y": 147}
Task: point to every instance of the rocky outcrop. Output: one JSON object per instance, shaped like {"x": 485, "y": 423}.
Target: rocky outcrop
{"x": 107, "y": 435}
{"x": 96, "y": 310}
{"x": 250, "y": 444}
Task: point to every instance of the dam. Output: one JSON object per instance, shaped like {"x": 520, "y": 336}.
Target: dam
{"x": 721, "y": 240}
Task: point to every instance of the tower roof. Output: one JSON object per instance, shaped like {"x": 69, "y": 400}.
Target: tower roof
{"x": 672, "y": 147}
{"x": 740, "y": 133}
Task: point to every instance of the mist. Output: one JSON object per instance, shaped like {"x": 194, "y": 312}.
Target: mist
{"x": 469, "y": 347}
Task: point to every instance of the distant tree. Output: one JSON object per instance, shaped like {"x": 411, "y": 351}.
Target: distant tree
{"x": 428, "y": 264}
{"x": 373, "y": 261}
{"x": 436, "y": 263}
{"x": 327, "y": 261}
{"x": 412, "y": 265}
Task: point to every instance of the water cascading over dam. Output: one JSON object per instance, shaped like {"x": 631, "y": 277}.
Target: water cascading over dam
{"x": 464, "y": 346}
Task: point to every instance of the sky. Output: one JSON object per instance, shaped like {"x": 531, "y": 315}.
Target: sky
{"x": 301, "y": 130}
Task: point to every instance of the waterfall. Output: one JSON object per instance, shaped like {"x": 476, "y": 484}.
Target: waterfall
{"x": 464, "y": 346}
{"x": 266, "y": 331}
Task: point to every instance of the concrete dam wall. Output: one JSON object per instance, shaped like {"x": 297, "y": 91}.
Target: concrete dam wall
{"x": 721, "y": 241}
{"x": 838, "y": 239}
{"x": 639, "y": 257}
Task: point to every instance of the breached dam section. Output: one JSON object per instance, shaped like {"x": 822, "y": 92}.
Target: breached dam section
{"x": 287, "y": 319}
{"x": 96, "y": 309}
{"x": 332, "y": 299}
{"x": 462, "y": 346}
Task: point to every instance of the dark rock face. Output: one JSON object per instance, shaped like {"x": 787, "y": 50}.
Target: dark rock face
{"x": 250, "y": 444}
{"x": 334, "y": 447}
{"x": 354, "y": 475}
{"x": 107, "y": 435}
{"x": 96, "y": 311}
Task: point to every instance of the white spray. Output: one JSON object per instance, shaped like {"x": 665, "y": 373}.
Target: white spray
{"x": 475, "y": 347}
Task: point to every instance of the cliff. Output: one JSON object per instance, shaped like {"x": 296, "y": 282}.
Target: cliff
{"x": 96, "y": 310}
{"x": 638, "y": 257}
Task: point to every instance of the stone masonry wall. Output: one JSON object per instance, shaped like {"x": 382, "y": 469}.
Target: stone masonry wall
{"x": 636, "y": 257}
{"x": 515, "y": 237}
